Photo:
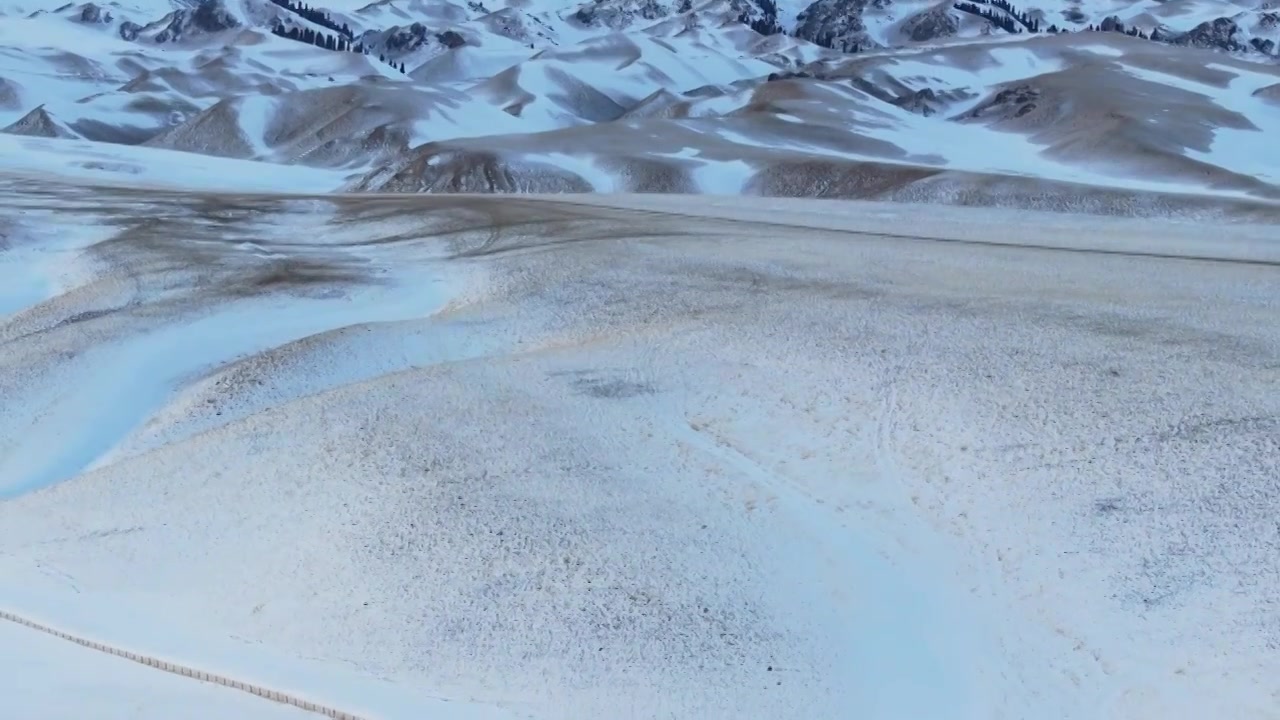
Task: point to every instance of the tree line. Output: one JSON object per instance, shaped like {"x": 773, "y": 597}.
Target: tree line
{"x": 998, "y": 19}
{"x": 1112, "y": 25}
{"x": 1000, "y": 13}
{"x": 329, "y": 42}
{"x": 1016, "y": 15}
{"x": 1011, "y": 20}
{"x": 319, "y": 17}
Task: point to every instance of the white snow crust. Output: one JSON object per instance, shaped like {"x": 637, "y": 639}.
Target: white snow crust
{"x": 643, "y": 456}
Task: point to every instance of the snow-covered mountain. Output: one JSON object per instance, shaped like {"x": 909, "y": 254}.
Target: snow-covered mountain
{"x": 720, "y": 96}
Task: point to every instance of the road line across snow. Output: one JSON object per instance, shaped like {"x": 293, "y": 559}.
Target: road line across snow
{"x": 185, "y": 671}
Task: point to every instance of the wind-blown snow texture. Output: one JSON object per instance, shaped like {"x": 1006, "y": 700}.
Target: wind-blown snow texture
{"x": 645, "y": 457}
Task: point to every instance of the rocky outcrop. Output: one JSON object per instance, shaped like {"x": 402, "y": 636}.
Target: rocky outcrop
{"x": 94, "y": 15}
{"x": 1219, "y": 34}
{"x": 1263, "y": 45}
{"x": 790, "y": 75}
{"x": 761, "y": 16}
{"x": 835, "y": 24}
{"x": 921, "y": 102}
{"x": 207, "y": 18}
{"x": 129, "y": 31}
{"x": 399, "y": 39}
{"x": 932, "y": 24}
{"x": 1009, "y": 103}
{"x": 451, "y": 39}
{"x": 621, "y": 14}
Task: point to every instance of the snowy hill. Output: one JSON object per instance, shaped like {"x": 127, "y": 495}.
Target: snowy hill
{"x": 720, "y": 96}
{"x": 1116, "y": 113}
{"x": 485, "y": 458}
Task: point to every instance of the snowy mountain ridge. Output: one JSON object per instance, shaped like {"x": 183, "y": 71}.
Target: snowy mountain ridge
{"x": 713, "y": 96}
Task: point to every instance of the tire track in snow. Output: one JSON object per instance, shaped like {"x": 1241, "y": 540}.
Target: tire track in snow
{"x": 185, "y": 671}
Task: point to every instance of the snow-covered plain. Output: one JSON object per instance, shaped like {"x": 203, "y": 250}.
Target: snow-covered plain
{"x": 640, "y": 457}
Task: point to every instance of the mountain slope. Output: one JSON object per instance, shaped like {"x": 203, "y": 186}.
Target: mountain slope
{"x": 652, "y": 96}
{"x": 1118, "y": 112}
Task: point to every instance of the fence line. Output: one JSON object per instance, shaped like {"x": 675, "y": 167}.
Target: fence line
{"x": 184, "y": 671}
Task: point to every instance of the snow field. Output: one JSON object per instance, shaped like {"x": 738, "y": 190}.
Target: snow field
{"x": 712, "y": 457}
